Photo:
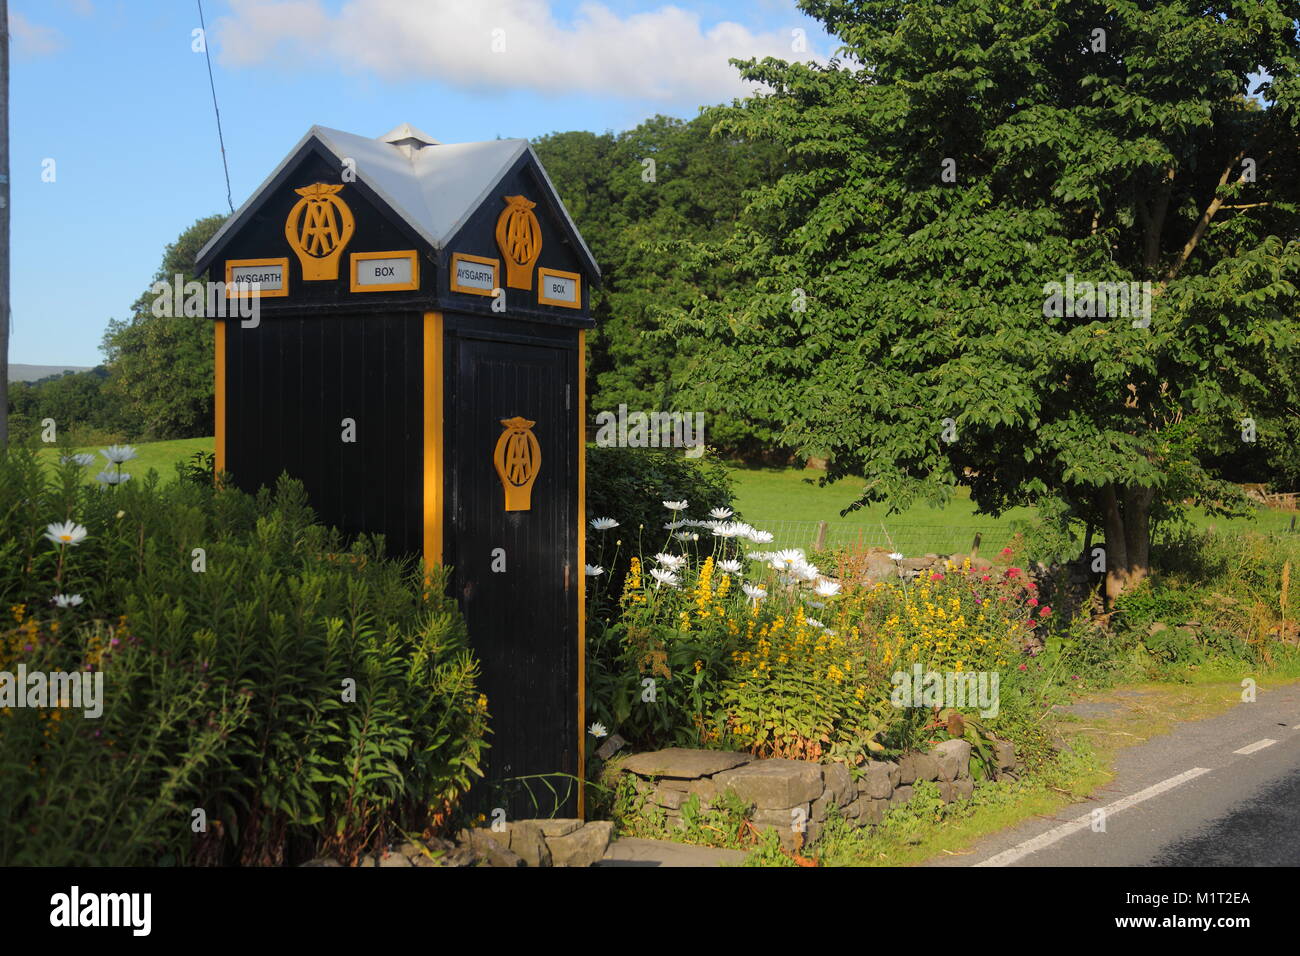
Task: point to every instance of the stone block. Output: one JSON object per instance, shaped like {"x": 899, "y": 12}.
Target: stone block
{"x": 925, "y": 767}
{"x": 583, "y": 846}
{"x": 684, "y": 763}
{"x": 1006, "y": 754}
{"x": 963, "y": 788}
{"x": 529, "y": 844}
{"x": 670, "y": 799}
{"x": 901, "y": 796}
{"x": 558, "y": 827}
{"x": 954, "y": 759}
{"x": 838, "y": 783}
{"x": 873, "y": 811}
{"x": 877, "y": 782}
{"x": 774, "y": 784}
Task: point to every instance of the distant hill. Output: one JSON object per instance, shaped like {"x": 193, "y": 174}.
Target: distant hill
{"x": 30, "y": 373}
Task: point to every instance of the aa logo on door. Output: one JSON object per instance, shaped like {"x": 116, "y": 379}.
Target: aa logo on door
{"x": 518, "y": 458}
{"x": 319, "y": 226}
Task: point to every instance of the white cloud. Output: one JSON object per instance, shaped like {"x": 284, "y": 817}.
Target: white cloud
{"x": 666, "y": 54}
{"x": 32, "y": 39}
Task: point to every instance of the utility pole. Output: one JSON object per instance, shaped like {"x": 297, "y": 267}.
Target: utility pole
{"x": 4, "y": 223}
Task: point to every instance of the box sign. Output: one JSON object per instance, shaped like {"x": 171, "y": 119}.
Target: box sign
{"x": 474, "y": 275}
{"x": 385, "y": 271}
{"x": 559, "y": 288}
{"x": 272, "y": 275}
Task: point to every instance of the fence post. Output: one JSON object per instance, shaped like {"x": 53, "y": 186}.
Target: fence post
{"x": 820, "y": 543}
{"x": 975, "y": 547}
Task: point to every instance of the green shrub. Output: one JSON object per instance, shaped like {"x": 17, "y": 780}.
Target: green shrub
{"x": 305, "y": 695}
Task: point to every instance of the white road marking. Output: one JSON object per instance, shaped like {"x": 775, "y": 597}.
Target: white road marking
{"x": 1257, "y": 745}
{"x": 1007, "y": 857}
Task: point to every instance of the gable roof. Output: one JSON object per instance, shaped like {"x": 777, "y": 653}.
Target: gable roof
{"x": 435, "y": 187}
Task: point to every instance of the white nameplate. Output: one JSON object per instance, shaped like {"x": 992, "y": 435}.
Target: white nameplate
{"x": 559, "y": 288}
{"x": 384, "y": 271}
{"x": 268, "y": 274}
{"x": 473, "y": 274}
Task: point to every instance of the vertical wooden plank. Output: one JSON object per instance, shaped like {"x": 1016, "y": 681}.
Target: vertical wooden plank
{"x": 219, "y": 394}
{"x": 432, "y": 414}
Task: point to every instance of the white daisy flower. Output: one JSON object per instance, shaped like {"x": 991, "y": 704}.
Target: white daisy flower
{"x": 813, "y": 622}
{"x": 664, "y": 577}
{"x": 84, "y": 459}
{"x": 674, "y": 525}
{"x": 67, "y": 532}
{"x": 726, "y": 529}
{"x": 722, "y": 514}
{"x": 788, "y": 559}
{"x": 761, "y": 537}
{"x": 118, "y": 454}
{"x": 827, "y": 588}
{"x": 671, "y": 561}
{"x": 754, "y": 592}
{"x": 597, "y": 730}
{"x": 603, "y": 524}
{"x": 687, "y": 536}
{"x": 896, "y": 556}
{"x": 594, "y": 570}
{"x": 67, "y": 600}
{"x": 760, "y": 556}
{"x": 807, "y": 572}
{"x": 113, "y": 477}
{"x": 730, "y": 565}
{"x": 675, "y": 505}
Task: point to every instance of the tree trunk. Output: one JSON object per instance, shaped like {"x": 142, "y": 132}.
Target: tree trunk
{"x": 1127, "y": 514}
{"x": 1116, "y": 545}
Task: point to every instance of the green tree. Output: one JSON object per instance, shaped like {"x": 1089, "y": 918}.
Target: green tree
{"x": 891, "y": 303}
{"x": 634, "y": 197}
{"x": 161, "y": 366}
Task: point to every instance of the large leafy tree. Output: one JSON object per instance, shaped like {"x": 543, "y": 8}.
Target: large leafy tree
{"x": 633, "y": 196}
{"x": 161, "y": 366}
{"x": 957, "y": 157}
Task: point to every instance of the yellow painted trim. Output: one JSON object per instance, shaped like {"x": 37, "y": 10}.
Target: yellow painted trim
{"x": 219, "y": 395}
{"x": 544, "y": 274}
{"x": 481, "y": 260}
{"x": 433, "y": 489}
{"x": 282, "y": 262}
{"x": 357, "y": 257}
{"x": 582, "y": 574}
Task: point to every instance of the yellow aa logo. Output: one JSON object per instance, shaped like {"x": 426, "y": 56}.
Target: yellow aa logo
{"x": 319, "y": 226}
{"x": 519, "y": 237}
{"x": 517, "y": 458}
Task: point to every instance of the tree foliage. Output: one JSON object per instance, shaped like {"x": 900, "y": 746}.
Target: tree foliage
{"x": 161, "y": 366}
{"x": 1112, "y": 156}
{"x": 633, "y": 213}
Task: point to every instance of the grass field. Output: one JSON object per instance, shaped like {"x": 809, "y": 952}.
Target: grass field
{"x": 161, "y": 456}
{"x": 788, "y": 502}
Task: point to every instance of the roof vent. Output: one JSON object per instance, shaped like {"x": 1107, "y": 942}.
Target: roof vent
{"x": 408, "y": 139}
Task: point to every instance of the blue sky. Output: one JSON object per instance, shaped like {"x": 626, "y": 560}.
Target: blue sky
{"x": 113, "y": 93}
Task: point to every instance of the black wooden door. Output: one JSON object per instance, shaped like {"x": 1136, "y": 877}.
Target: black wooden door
{"x": 515, "y": 571}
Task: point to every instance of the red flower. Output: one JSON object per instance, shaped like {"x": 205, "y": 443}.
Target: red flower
{"x": 1012, "y": 572}
{"x": 1045, "y": 612}
{"x": 985, "y": 578}
{"x": 1006, "y": 552}
{"x": 936, "y": 576}
{"x": 1032, "y": 602}
{"x": 1024, "y": 667}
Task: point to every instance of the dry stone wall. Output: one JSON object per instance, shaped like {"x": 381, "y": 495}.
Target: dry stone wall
{"x": 794, "y": 797}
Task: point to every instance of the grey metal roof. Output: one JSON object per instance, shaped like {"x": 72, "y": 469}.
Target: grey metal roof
{"x": 434, "y": 187}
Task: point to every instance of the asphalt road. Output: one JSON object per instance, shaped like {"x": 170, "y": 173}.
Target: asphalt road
{"x": 1210, "y": 793}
